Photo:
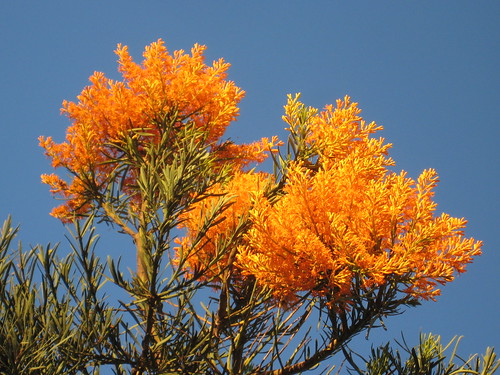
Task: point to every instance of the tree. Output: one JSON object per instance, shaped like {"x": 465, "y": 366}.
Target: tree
{"x": 238, "y": 271}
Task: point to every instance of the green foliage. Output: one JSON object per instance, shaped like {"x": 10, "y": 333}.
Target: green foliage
{"x": 430, "y": 357}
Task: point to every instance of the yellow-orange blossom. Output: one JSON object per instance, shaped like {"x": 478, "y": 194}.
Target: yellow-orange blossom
{"x": 341, "y": 214}
{"x": 179, "y": 85}
{"x": 353, "y": 216}
{"x": 349, "y": 216}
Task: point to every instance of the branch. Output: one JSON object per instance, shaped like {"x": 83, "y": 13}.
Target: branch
{"x": 118, "y": 221}
{"x": 306, "y": 364}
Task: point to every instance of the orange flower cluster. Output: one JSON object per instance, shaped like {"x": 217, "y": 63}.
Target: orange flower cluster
{"x": 352, "y": 217}
{"x": 338, "y": 216}
{"x": 343, "y": 215}
{"x": 220, "y": 219}
{"x": 164, "y": 86}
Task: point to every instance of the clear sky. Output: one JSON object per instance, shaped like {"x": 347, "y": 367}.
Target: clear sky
{"x": 425, "y": 70}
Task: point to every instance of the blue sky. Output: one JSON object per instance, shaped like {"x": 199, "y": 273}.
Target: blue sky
{"x": 427, "y": 71}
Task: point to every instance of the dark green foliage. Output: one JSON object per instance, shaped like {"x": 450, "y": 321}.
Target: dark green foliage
{"x": 430, "y": 357}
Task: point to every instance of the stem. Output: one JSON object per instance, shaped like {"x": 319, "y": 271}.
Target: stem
{"x": 141, "y": 254}
{"x": 136, "y": 236}
{"x": 118, "y": 221}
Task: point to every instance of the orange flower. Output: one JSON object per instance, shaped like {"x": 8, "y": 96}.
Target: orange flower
{"x": 176, "y": 89}
{"x": 341, "y": 216}
{"x": 352, "y": 217}
{"x": 243, "y": 155}
{"x": 206, "y": 241}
